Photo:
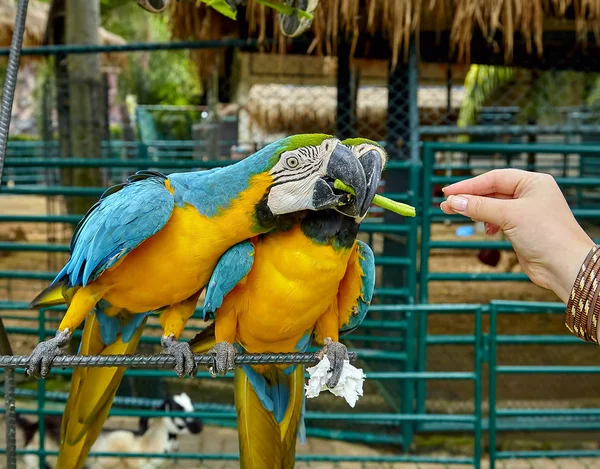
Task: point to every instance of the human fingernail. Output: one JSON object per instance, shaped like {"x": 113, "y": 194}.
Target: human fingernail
{"x": 457, "y": 203}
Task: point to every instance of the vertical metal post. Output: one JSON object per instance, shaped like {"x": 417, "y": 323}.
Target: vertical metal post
{"x": 477, "y": 390}
{"x": 346, "y": 93}
{"x": 428, "y": 157}
{"x": 398, "y": 138}
{"x": 9, "y": 403}
{"x": 492, "y": 388}
{"x": 41, "y": 396}
{"x": 408, "y": 390}
{"x": 8, "y": 95}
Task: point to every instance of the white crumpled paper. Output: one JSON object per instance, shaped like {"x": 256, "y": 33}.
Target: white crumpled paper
{"x": 350, "y": 385}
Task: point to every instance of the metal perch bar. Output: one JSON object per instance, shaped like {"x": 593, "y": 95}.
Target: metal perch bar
{"x": 154, "y": 361}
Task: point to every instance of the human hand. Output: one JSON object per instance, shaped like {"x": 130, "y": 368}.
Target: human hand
{"x": 533, "y": 213}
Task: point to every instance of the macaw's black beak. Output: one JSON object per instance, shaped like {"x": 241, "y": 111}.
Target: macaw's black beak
{"x": 373, "y": 166}
{"x": 342, "y": 165}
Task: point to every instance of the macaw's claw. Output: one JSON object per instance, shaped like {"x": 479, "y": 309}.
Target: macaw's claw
{"x": 41, "y": 358}
{"x": 184, "y": 358}
{"x": 337, "y": 353}
{"x": 223, "y": 358}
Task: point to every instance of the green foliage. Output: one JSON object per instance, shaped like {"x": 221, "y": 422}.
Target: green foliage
{"x": 225, "y": 8}
{"x": 116, "y": 132}
{"x": 158, "y": 77}
{"x": 480, "y": 83}
{"x": 162, "y": 77}
{"x": 125, "y": 18}
{"x": 593, "y": 97}
{"x": 537, "y": 93}
{"x": 23, "y": 138}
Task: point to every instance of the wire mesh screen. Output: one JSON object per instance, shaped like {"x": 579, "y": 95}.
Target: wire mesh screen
{"x": 504, "y": 100}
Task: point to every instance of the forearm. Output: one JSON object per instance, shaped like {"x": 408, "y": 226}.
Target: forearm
{"x": 568, "y": 262}
{"x": 583, "y": 308}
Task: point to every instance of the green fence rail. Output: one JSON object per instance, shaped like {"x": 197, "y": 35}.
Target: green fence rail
{"x": 389, "y": 358}
{"x": 538, "y": 419}
{"x": 431, "y": 213}
{"x": 225, "y": 414}
{"x": 387, "y": 338}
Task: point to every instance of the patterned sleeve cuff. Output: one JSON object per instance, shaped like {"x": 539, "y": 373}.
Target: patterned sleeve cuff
{"x": 581, "y": 315}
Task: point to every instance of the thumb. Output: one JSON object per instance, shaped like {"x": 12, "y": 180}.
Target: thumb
{"x": 484, "y": 209}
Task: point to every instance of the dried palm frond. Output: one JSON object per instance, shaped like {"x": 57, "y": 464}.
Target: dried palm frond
{"x": 300, "y": 109}
{"x": 396, "y": 20}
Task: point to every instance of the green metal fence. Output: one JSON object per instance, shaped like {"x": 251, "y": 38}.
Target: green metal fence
{"x": 371, "y": 423}
{"x": 384, "y": 340}
{"x": 535, "y": 419}
{"x": 431, "y": 213}
{"x": 392, "y": 354}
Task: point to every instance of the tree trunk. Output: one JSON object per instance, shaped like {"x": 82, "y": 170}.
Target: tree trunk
{"x": 59, "y": 90}
{"x": 86, "y": 102}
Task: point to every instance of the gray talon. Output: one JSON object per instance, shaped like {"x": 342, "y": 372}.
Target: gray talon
{"x": 223, "y": 358}
{"x": 41, "y": 358}
{"x": 184, "y": 358}
{"x": 336, "y": 353}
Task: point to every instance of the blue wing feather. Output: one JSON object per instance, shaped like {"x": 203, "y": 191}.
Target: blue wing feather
{"x": 121, "y": 220}
{"x": 232, "y": 267}
{"x": 367, "y": 265}
{"x": 129, "y": 213}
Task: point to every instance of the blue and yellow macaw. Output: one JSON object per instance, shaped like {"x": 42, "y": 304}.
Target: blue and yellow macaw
{"x": 149, "y": 246}
{"x": 310, "y": 282}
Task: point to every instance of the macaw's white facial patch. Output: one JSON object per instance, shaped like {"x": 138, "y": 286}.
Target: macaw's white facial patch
{"x": 295, "y": 176}
{"x": 293, "y": 196}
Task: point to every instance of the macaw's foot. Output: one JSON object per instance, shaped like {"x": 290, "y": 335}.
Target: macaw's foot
{"x": 42, "y": 356}
{"x": 184, "y": 358}
{"x": 223, "y": 358}
{"x": 336, "y": 353}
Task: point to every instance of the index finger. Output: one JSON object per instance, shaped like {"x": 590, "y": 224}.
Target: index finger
{"x": 499, "y": 181}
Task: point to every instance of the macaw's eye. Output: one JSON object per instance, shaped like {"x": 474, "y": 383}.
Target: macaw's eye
{"x": 292, "y": 162}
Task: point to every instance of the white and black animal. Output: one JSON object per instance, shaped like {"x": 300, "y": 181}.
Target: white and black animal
{"x": 154, "y": 435}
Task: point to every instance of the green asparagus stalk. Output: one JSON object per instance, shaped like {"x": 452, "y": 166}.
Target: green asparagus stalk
{"x": 383, "y": 202}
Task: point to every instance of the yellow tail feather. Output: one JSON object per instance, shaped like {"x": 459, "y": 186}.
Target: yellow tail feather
{"x": 291, "y": 421}
{"x": 264, "y": 442}
{"x": 91, "y": 396}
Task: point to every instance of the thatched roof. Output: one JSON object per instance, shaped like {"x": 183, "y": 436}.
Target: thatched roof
{"x": 398, "y": 19}
{"x": 301, "y": 109}
{"x": 35, "y": 29}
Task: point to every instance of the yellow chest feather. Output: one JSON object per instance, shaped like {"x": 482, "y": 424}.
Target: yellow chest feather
{"x": 176, "y": 262}
{"x": 292, "y": 283}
